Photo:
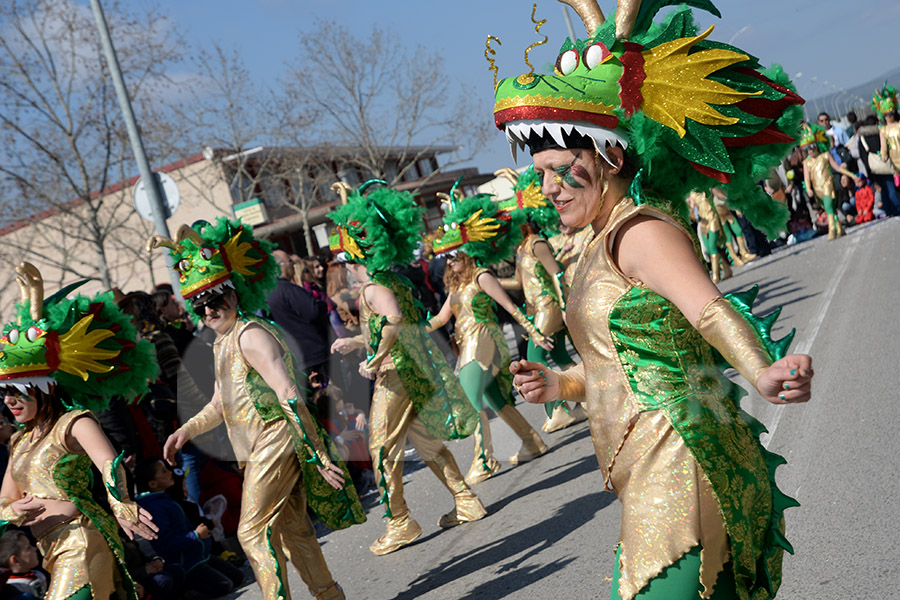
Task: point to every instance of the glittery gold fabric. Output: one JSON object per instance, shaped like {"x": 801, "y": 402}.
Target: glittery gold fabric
{"x": 666, "y": 428}
{"x": 391, "y": 419}
{"x": 892, "y": 135}
{"x": 707, "y": 217}
{"x": 540, "y": 298}
{"x": 76, "y": 552}
{"x": 475, "y": 324}
{"x": 820, "y": 175}
{"x": 273, "y": 521}
{"x": 568, "y": 249}
{"x": 734, "y": 338}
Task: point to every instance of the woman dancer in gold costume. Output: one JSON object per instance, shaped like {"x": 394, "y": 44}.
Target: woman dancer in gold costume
{"x": 61, "y": 359}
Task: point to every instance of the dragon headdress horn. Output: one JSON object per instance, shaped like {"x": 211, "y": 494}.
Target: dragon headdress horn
{"x": 31, "y": 286}
{"x": 589, "y": 12}
{"x": 86, "y": 346}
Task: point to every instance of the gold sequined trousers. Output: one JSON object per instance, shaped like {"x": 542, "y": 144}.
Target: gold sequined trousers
{"x": 76, "y": 555}
{"x": 274, "y": 524}
{"x": 392, "y": 418}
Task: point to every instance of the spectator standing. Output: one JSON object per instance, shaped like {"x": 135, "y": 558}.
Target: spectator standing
{"x": 302, "y": 317}
{"x": 870, "y": 146}
{"x": 19, "y": 555}
{"x": 837, "y": 134}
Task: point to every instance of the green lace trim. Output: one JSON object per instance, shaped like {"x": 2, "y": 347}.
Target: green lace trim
{"x": 385, "y": 497}
{"x": 278, "y": 572}
{"x": 433, "y": 388}
{"x": 670, "y": 367}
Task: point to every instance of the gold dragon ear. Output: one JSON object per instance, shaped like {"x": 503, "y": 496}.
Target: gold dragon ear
{"x": 158, "y": 241}
{"x": 31, "y": 286}
{"x": 509, "y": 174}
{"x": 186, "y": 232}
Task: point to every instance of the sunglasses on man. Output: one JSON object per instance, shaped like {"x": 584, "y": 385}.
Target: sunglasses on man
{"x": 210, "y": 301}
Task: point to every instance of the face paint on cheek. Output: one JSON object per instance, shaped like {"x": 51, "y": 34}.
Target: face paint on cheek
{"x": 564, "y": 175}
{"x": 581, "y": 173}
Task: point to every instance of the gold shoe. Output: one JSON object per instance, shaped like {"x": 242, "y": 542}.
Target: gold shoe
{"x": 468, "y": 508}
{"x": 529, "y": 451}
{"x": 400, "y": 532}
{"x": 479, "y": 471}
{"x": 562, "y": 418}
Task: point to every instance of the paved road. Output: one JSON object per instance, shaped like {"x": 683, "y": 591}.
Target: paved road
{"x": 552, "y": 530}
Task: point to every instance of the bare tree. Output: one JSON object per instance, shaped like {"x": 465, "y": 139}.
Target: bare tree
{"x": 391, "y": 104}
{"x": 62, "y": 142}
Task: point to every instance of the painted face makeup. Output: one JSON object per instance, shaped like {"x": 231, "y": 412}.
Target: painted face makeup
{"x": 568, "y": 173}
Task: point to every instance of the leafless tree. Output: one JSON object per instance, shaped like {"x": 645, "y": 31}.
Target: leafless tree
{"x": 390, "y": 103}
{"x": 62, "y": 140}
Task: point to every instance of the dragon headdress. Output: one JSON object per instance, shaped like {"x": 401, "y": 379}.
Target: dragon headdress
{"x": 530, "y": 200}
{"x": 210, "y": 258}
{"x": 379, "y": 229}
{"x": 86, "y": 346}
{"x": 690, "y": 112}
{"x": 814, "y": 134}
{"x": 885, "y": 100}
{"x": 477, "y": 226}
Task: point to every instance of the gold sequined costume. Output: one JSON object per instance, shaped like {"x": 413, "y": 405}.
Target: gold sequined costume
{"x": 540, "y": 301}
{"x": 820, "y": 175}
{"x": 273, "y": 521}
{"x": 643, "y": 363}
{"x": 891, "y": 133}
{"x": 81, "y": 551}
{"x": 392, "y": 418}
{"x": 568, "y": 249}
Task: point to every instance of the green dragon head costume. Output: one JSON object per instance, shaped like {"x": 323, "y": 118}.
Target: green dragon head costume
{"x": 531, "y": 201}
{"x": 85, "y": 346}
{"x": 690, "y": 113}
{"x": 479, "y": 227}
{"x": 885, "y": 100}
{"x": 209, "y": 258}
{"x": 380, "y": 229}
{"x": 814, "y": 134}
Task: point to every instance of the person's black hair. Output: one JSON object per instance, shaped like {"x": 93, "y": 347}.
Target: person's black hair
{"x": 572, "y": 141}
{"x": 824, "y": 114}
{"x": 9, "y": 545}
{"x": 851, "y": 117}
{"x": 145, "y": 472}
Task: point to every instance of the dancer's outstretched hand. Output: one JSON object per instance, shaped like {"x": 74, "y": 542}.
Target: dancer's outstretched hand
{"x": 536, "y": 383}
{"x": 333, "y": 475}
{"x": 173, "y": 444}
{"x": 787, "y": 381}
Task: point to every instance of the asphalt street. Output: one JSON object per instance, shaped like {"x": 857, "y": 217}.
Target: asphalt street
{"x": 551, "y": 529}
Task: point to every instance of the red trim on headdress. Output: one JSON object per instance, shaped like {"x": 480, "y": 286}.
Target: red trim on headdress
{"x": 632, "y": 78}
{"x": 525, "y": 113}
{"x": 769, "y": 135}
{"x": 713, "y": 173}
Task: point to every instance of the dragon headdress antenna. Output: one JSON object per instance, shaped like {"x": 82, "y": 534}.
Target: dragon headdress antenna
{"x": 343, "y": 189}
{"x": 31, "y": 286}
{"x": 529, "y": 77}
{"x": 488, "y": 53}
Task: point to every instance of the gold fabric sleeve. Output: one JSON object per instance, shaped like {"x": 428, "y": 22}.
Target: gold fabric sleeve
{"x": 123, "y": 507}
{"x": 308, "y": 431}
{"x": 571, "y": 384}
{"x": 434, "y": 323}
{"x": 205, "y": 420}
{"x": 510, "y": 283}
{"x": 389, "y": 333}
{"x": 735, "y": 339}
{"x": 528, "y": 326}
{"x": 8, "y": 514}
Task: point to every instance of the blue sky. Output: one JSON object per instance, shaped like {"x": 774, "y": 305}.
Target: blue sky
{"x": 818, "y": 38}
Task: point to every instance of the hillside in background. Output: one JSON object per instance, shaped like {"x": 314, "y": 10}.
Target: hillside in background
{"x": 857, "y": 98}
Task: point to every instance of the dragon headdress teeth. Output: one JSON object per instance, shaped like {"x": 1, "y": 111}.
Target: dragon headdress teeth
{"x": 212, "y": 257}
{"x": 86, "y": 346}
{"x": 380, "y": 228}
{"x": 691, "y": 113}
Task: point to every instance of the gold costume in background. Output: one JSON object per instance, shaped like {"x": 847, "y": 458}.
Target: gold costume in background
{"x": 820, "y": 175}
{"x": 568, "y": 249}
{"x": 891, "y": 133}
{"x": 392, "y": 418}
{"x": 536, "y": 285}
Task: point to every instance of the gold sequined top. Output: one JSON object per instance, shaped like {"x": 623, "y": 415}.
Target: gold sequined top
{"x": 540, "y": 298}
{"x": 707, "y": 217}
{"x": 668, "y": 505}
{"x": 568, "y": 257}
{"x": 820, "y": 175}
{"x": 892, "y": 135}
{"x": 366, "y": 313}
{"x": 249, "y": 405}
{"x": 477, "y": 327}
{"x": 32, "y": 463}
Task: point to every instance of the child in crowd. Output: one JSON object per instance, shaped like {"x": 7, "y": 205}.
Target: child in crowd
{"x": 865, "y": 199}
{"x": 180, "y": 542}
{"x": 19, "y": 555}
{"x": 347, "y": 427}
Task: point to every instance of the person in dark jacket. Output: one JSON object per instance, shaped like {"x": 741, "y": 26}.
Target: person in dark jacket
{"x": 179, "y": 542}
{"x": 303, "y": 318}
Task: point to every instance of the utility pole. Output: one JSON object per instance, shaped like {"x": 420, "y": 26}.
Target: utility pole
{"x": 137, "y": 145}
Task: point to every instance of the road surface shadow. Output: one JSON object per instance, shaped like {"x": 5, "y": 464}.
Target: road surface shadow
{"x": 512, "y": 550}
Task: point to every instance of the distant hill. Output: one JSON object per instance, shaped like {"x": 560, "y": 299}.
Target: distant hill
{"x": 840, "y": 103}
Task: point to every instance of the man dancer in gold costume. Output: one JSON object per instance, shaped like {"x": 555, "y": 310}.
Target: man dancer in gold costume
{"x": 225, "y": 274}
